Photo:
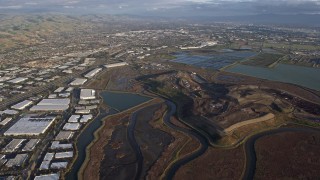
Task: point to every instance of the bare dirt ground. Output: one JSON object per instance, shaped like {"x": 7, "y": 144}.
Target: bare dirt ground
{"x": 214, "y": 164}
{"x": 296, "y": 155}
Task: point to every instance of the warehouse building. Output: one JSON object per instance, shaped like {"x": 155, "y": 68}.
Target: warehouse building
{"x": 92, "y": 73}
{"x": 13, "y": 145}
{"x": 17, "y": 161}
{"x": 116, "y": 65}
{"x": 61, "y": 155}
{"x": 87, "y": 94}
{"x": 59, "y": 165}
{"x": 52, "y": 105}
{"x": 58, "y": 145}
{"x": 17, "y": 80}
{"x": 31, "y": 144}
{"x": 22, "y": 105}
{"x": 60, "y": 89}
{"x": 83, "y": 111}
{"x": 5, "y": 121}
{"x": 86, "y": 118}
{"x": 47, "y": 177}
{"x": 74, "y": 118}
{"x": 30, "y": 126}
{"x": 72, "y": 126}
{"x": 46, "y": 161}
{"x": 9, "y": 112}
{"x": 78, "y": 82}
{"x": 64, "y": 135}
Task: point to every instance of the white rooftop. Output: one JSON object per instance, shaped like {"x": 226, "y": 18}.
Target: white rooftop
{"x": 9, "y": 111}
{"x": 5, "y": 121}
{"x": 64, "y": 135}
{"x": 59, "y": 89}
{"x": 61, "y": 155}
{"x": 87, "y": 94}
{"x": 31, "y": 144}
{"x": 31, "y": 126}
{"x": 64, "y": 101}
{"x": 57, "y": 145}
{"x": 22, "y": 105}
{"x": 49, "y": 108}
{"x": 93, "y": 73}
{"x": 78, "y": 82}
{"x": 59, "y": 165}
{"x": 52, "y": 105}
{"x": 86, "y": 118}
{"x": 17, "y": 80}
{"x": 115, "y": 65}
{"x": 74, "y": 118}
{"x": 17, "y": 161}
{"x": 47, "y": 177}
{"x": 72, "y": 126}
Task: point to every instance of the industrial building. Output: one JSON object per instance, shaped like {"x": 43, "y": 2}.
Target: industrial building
{"x": 13, "y": 145}
{"x": 22, "y": 105}
{"x": 87, "y": 94}
{"x": 83, "y": 111}
{"x": 64, "y": 135}
{"x": 30, "y": 126}
{"x": 46, "y": 161}
{"x": 116, "y": 65}
{"x": 72, "y": 126}
{"x": 58, "y": 145}
{"x": 3, "y": 159}
{"x": 17, "y": 161}
{"x": 59, "y": 165}
{"x": 60, "y": 89}
{"x": 5, "y": 121}
{"x": 9, "y": 112}
{"x": 17, "y": 80}
{"x": 31, "y": 144}
{"x": 92, "y": 73}
{"x": 61, "y": 155}
{"x": 69, "y": 89}
{"x": 86, "y": 118}
{"x": 47, "y": 177}
{"x": 52, "y": 105}
{"x": 78, "y": 82}
{"x": 74, "y": 118}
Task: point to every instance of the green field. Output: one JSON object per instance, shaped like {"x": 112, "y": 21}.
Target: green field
{"x": 263, "y": 60}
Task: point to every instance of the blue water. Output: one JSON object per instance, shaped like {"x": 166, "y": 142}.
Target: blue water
{"x": 122, "y": 101}
{"x": 215, "y": 61}
{"x": 304, "y": 76}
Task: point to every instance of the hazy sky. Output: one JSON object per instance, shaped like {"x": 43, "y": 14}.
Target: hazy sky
{"x": 167, "y": 7}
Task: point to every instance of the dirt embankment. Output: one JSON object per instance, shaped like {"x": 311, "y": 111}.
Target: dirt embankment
{"x": 266, "y": 117}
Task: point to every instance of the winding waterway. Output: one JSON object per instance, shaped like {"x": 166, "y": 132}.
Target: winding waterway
{"x": 203, "y": 141}
{"x": 118, "y": 102}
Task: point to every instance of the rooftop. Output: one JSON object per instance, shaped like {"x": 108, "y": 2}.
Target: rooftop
{"x": 31, "y": 126}
{"x": 87, "y": 94}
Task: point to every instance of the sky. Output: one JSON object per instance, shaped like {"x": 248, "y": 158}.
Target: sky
{"x": 181, "y": 8}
